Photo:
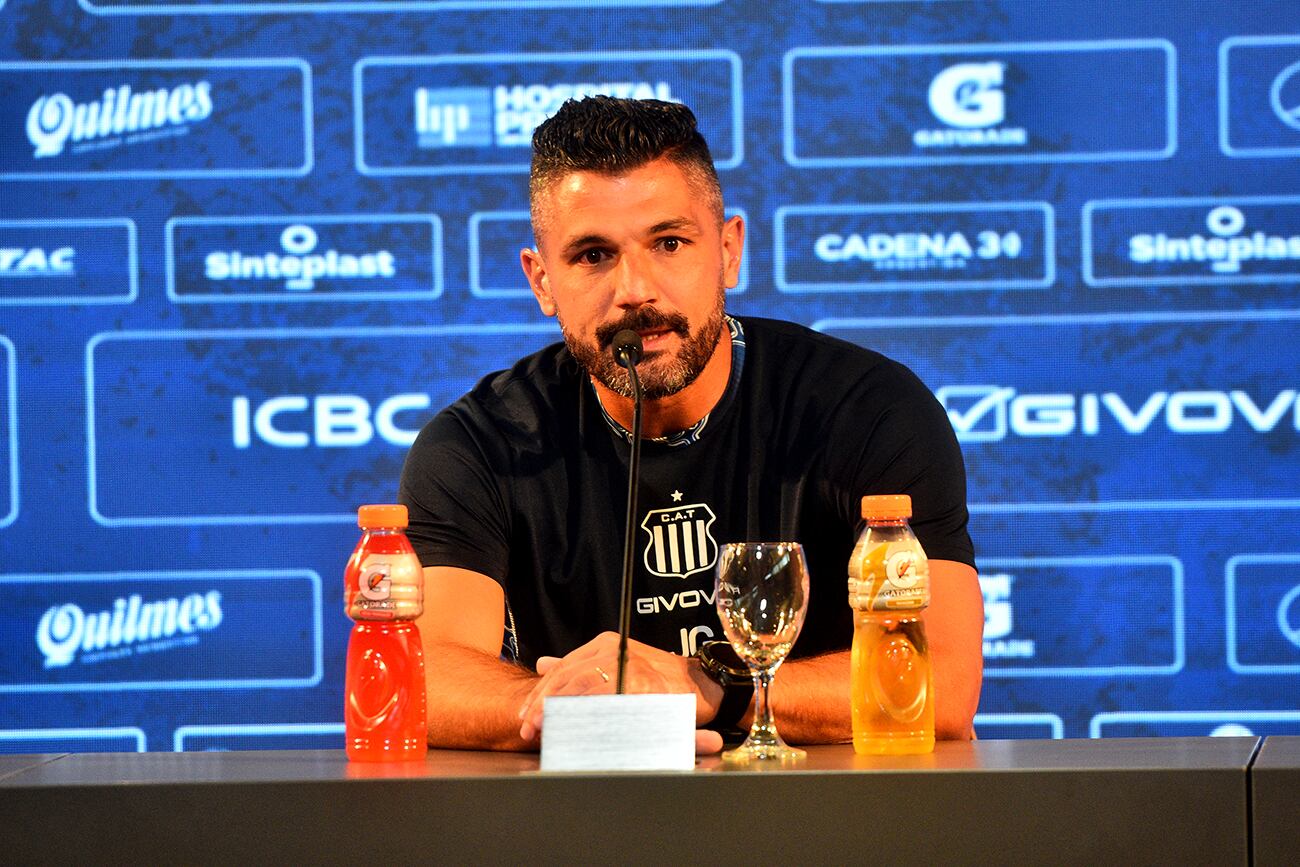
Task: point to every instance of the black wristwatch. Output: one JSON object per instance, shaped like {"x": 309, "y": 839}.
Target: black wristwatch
{"x": 719, "y": 660}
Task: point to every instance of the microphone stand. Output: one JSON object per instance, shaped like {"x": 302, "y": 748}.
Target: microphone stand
{"x": 628, "y": 354}
{"x": 621, "y": 732}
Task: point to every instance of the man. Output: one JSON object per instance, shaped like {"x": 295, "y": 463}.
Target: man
{"x": 753, "y": 430}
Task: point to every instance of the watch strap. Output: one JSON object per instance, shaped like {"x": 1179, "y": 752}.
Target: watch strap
{"x": 719, "y": 661}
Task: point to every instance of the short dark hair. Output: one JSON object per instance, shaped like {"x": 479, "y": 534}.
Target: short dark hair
{"x": 613, "y": 136}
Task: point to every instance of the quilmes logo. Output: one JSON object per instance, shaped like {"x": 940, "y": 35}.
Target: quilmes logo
{"x": 917, "y": 251}
{"x": 968, "y": 97}
{"x": 120, "y": 116}
{"x": 680, "y": 540}
{"x": 67, "y": 633}
{"x": 37, "y": 262}
{"x": 506, "y": 115}
{"x": 984, "y": 413}
{"x": 999, "y": 620}
{"x": 297, "y": 421}
{"x": 298, "y": 263}
{"x": 1225, "y": 248}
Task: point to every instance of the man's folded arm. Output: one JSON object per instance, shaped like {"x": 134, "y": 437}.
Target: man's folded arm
{"x": 474, "y": 696}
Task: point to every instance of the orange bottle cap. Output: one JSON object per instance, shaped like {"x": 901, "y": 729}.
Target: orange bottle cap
{"x": 887, "y": 506}
{"x": 374, "y": 517}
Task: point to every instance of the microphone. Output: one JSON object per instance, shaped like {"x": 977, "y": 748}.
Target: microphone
{"x": 627, "y": 352}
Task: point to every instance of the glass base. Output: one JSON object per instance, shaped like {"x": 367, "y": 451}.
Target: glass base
{"x": 764, "y": 748}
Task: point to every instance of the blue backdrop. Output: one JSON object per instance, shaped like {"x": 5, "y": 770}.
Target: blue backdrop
{"x": 247, "y": 249}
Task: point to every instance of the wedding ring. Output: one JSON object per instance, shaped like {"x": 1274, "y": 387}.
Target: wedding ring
{"x": 603, "y": 675}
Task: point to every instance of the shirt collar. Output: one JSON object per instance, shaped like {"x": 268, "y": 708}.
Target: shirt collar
{"x": 693, "y": 433}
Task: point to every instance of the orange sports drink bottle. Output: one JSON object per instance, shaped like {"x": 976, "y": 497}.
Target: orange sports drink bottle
{"x": 889, "y": 585}
{"x": 384, "y": 717}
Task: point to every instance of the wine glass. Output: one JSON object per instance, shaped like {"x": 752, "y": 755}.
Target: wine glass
{"x": 762, "y": 596}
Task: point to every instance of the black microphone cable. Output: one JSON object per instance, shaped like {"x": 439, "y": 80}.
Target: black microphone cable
{"x": 627, "y": 352}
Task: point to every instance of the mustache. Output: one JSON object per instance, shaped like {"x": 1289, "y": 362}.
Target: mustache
{"x": 642, "y": 319}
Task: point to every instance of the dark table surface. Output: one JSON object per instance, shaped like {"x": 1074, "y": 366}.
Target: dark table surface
{"x": 1159, "y": 800}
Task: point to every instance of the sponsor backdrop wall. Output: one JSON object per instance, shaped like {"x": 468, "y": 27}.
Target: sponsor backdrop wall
{"x": 247, "y": 249}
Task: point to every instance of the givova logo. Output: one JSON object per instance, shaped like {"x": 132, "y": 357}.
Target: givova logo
{"x": 985, "y": 413}
{"x": 968, "y": 97}
{"x": 507, "y": 115}
{"x": 119, "y": 116}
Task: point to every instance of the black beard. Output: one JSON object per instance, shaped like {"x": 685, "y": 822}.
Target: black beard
{"x": 660, "y": 376}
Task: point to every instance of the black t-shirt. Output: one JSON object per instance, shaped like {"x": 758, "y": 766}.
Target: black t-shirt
{"x": 524, "y": 479}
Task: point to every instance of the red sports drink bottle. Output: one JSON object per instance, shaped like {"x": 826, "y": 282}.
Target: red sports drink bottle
{"x": 384, "y": 712}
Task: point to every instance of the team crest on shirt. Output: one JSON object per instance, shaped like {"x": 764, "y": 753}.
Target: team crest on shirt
{"x": 680, "y": 542}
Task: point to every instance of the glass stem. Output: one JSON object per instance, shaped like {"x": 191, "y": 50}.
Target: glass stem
{"x": 763, "y": 726}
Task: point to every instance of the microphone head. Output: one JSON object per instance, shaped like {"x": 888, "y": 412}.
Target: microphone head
{"x": 627, "y": 348}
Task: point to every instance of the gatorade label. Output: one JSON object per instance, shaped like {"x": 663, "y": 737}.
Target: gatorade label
{"x": 387, "y": 587}
{"x": 889, "y": 577}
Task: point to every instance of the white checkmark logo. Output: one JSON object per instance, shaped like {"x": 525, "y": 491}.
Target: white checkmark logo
{"x": 966, "y": 423}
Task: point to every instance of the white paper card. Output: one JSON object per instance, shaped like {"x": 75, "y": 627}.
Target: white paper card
{"x": 618, "y": 733}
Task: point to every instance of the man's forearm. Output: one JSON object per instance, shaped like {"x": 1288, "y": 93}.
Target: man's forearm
{"x": 810, "y": 700}
{"x": 810, "y": 697}
{"x": 474, "y": 699}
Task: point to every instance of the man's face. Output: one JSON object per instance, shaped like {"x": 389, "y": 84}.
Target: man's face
{"x": 641, "y": 251}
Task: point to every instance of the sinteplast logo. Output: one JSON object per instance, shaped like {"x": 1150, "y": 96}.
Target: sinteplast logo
{"x": 1225, "y": 249}
{"x": 298, "y": 263}
{"x": 969, "y": 98}
{"x": 506, "y": 115}
{"x": 120, "y": 116}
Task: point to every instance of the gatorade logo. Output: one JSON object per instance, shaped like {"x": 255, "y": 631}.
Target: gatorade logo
{"x": 901, "y": 570}
{"x": 968, "y": 97}
{"x": 374, "y": 582}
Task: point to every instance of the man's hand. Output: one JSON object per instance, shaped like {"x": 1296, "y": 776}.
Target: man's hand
{"x": 592, "y": 669}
